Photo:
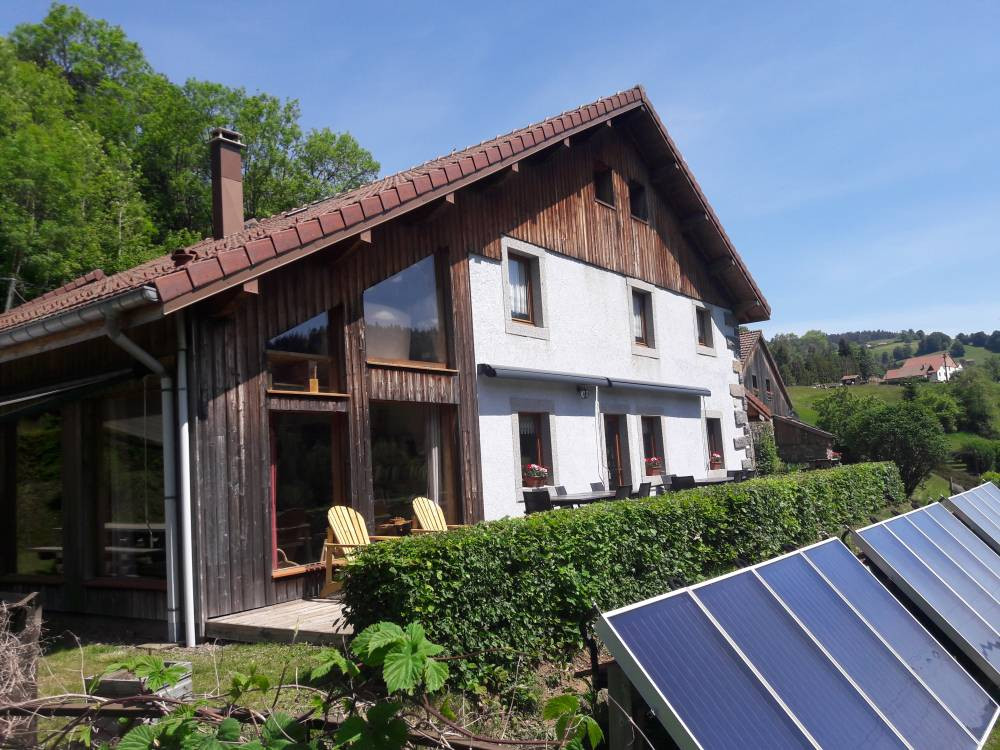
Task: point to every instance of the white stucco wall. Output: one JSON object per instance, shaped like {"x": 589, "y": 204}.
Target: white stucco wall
{"x": 587, "y": 330}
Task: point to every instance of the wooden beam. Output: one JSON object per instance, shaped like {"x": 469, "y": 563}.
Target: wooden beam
{"x": 744, "y": 307}
{"x": 432, "y": 210}
{"x": 665, "y": 173}
{"x": 693, "y": 221}
{"x": 720, "y": 265}
{"x": 499, "y": 178}
{"x": 548, "y": 153}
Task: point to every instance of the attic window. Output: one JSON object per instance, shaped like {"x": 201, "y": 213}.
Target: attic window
{"x": 604, "y": 185}
{"x": 637, "y": 204}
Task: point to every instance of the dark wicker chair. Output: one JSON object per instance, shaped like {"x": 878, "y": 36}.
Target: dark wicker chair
{"x": 536, "y": 501}
{"x": 682, "y": 483}
{"x": 643, "y": 490}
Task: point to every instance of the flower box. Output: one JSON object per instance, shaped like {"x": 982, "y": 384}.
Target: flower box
{"x": 533, "y": 481}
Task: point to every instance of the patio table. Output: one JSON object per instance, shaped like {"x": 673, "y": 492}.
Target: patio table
{"x": 581, "y": 498}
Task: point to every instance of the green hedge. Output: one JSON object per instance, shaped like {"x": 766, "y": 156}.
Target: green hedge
{"x": 524, "y": 585}
{"x": 979, "y": 454}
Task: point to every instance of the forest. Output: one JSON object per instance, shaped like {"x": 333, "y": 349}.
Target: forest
{"x": 104, "y": 160}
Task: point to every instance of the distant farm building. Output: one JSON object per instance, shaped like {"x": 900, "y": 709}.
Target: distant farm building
{"x": 939, "y": 367}
{"x": 851, "y": 380}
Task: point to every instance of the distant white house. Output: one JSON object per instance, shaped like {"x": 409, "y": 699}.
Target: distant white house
{"x": 939, "y": 367}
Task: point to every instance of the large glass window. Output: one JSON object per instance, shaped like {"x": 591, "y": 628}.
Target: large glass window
{"x": 131, "y": 531}
{"x": 39, "y": 496}
{"x": 300, "y": 359}
{"x": 413, "y": 454}
{"x": 304, "y": 483}
{"x": 404, "y": 319}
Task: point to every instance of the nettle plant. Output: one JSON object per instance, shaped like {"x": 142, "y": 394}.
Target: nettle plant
{"x": 370, "y": 697}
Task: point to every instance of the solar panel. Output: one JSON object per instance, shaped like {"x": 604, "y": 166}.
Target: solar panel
{"x": 980, "y": 509}
{"x": 952, "y": 583}
{"x": 810, "y": 650}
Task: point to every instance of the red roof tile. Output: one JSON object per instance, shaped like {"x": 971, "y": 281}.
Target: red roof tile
{"x": 261, "y": 240}
{"x": 918, "y": 367}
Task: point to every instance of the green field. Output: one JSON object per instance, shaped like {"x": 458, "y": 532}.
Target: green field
{"x": 976, "y": 353}
{"x": 804, "y": 397}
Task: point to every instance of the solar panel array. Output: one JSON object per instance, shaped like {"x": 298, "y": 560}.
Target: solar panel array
{"x": 808, "y": 650}
{"x": 948, "y": 572}
{"x": 980, "y": 509}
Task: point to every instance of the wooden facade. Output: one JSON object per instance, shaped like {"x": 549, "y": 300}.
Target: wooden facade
{"x": 548, "y": 202}
{"x": 760, "y": 372}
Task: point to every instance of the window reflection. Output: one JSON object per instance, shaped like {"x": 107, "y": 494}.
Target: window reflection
{"x": 299, "y": 359}
{"x": 130, "y": 486}
{"x": 38, "y": 501}
{"x": 404, "y": 321}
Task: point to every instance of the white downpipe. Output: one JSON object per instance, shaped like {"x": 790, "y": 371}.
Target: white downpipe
{"x": 169, "y": 466}
{"x": 184, "y": 474}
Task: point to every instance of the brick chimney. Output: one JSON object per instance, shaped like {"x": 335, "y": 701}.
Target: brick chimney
{"x": 225, "y": 147}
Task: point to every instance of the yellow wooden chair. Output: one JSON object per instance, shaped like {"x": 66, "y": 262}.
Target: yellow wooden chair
{"x": 346, "y": 534}
{"x": 428, "y": 517}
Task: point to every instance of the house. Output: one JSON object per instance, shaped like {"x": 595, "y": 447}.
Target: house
{"x": 851, "y": 380}
{"x": 936, "y": 368}
{"x": 770, "y": 406}
{"x": 172, "y": 436}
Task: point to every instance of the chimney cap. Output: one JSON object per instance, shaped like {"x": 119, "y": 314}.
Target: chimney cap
{"x": 225, "y": 134}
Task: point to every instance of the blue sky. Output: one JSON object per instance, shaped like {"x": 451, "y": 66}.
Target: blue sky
{"x": 852, "y": 150}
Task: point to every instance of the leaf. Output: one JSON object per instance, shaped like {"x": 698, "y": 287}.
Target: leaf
{"x": 446, "y": 710}
{"x": 435, "y": 675}
{"x": 590, "y": 729}
{"x": 561, "y": 705}
{"x": 141, "y": 737}
{"x": 280, "y": 726}
{"x": 229, "y": 730}
{"x": 372, "y": 643}
{"x": 401, "y": 669}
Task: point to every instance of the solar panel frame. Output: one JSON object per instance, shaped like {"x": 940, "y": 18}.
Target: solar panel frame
{"x": 991, "y": 672}
{"x": 977, "y": 508}
{"x": 675, "y": 725}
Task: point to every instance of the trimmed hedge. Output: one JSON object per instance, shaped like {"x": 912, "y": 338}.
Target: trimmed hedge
{"x": 525, "y": 585}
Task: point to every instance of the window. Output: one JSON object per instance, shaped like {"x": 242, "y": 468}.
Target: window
{"x": 130, "y": 521}
{"x": 704, "y": 322}
{"x": 307, "y": 479}
{"x": 604, "y": 184}
{"x": 38, "y": 497}
{"x": 536, "y": 457}
{"x": 653, "y": 456}
{"x": 637, "y": 205}
{"x": 616, "y": 450}
{"x": 300, "y": 358}
{"x": 642, "y": 328}
{"x": 753, "y": 382}
{"x": 414, "y": 453}
{"x": 521, "y": 277}
{"x": 713, "y": 426}
{"x": 767, "y": 385}
{"x": 404, "y": 317}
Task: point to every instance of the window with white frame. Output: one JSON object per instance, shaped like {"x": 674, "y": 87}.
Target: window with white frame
{"x": 523, "y": 278}
{"x": 716, "y": 457}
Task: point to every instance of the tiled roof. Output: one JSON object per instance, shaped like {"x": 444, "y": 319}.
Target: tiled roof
{"x": 748, "y": 340}
{"x": 208, "y": 266}
{"x": 917, "y": 367}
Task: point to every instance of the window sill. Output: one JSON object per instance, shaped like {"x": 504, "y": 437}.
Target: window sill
{"x": 308, "y": 394}
{"x": 37, "y": 580}
{"x": 530, "y": 330}
{"x": 599, "y": 202}
{"x": 297, "y": 570}
{"x": 405, "y": 364}
{"x": 708, "y": 351}
{"x": 144, "y": 584}
{"x": 640, "y": 219}
{"x": 641, "y": 350}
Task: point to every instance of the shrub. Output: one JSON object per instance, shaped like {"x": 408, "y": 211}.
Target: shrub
{"x": 526, "y": 585}
{"x": 766, "y": 453}
{"x": 979, "y": 454}
{"x": 991, "y": 476}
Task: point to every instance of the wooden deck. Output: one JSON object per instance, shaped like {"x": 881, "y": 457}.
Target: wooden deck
{"x": 303, "y": 620}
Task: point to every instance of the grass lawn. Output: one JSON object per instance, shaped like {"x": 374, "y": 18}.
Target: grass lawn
{"x": 804, "y": 397}
{"x": 63, "y": 667}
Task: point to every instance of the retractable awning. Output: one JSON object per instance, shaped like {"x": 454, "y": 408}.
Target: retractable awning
{"x": 19, "y": 404}
{"x": 552, "y": 376}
